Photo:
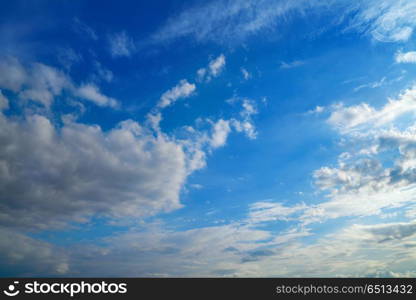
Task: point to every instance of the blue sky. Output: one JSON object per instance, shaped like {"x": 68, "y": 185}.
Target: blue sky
{"x": 208, "y": 138}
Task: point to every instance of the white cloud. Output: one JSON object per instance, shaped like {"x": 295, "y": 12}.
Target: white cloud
{"x": 386, "y": 20}
{"x": 361, "y": 185}
{"x": 317, "y": 110}
{"x": 238, "y": 249}
{"x": 92, "y": 93}
{"x": 221, "y": 129}
{"x": 371, "y": 85}
{"x": 227, "y": 21}
{"x": 42, "y": 83}
{"x": 245, "y": 73}
{"x": 291, "y": 65}
{"x": 272, "y": 211}
{"x": 214, "y": 69}
{"x": 216, "y": 65}
{"x": 121, "y": 44}
{"x": 355, "y": 117}
{"x": 201, "y": 74}
{"x": 235, "y": 21}
{"x": 245, "y": 124}
{"x": 183, "y": 89}
{"x": 408, "y": 57}
{"x": 79, "y": 171}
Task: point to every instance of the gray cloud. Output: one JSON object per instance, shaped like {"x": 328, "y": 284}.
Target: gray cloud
{"x": 49, "y": 176}
{"x": 25, "y": 256}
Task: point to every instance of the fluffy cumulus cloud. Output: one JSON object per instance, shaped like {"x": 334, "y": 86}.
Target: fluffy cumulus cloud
{"x": 364, "y": 115}
{"x": 43, "y": 84}
{"x": 221, "y": 129}
{"x": 245, "y": 122}
{"x": 78, "y": 171}
{"x": 54, "y": 174}
{"x": 361, "y": 184}
{"x": 214, "y": 69}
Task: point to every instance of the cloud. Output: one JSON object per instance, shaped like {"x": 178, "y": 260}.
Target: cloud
{"x": 235, "y": 21}
{"x": 221, "y": 129}
{"x": 245, "y": 124}
{"x": 4, "y": 102}
{"x": 74, "y": 171}
{"x": 408, "y": 57}
{"x": 291, "y": 65}
{"x": 121, "y": 44}
{"x": 371, "y": 85}
{"x": 92, "y": 93}
{"x": 68, "y": 57}
{"x": 103, "y": 73}
{"x": 272, "y": 211}
{"x": 386, "y": 21}
{"x": 43, "y": 84}
{"x": 183, "y": 89}
{"x": 160, "y": 252}
{"x": 214, "y": 69}
{"x": 227, "y": 21}
{"x": 358, "y": 116}
{"x": 25, "y": 256}
{"x": 361, "y": 184}
{"x": 79, "y": 171}
{"x": 217, "y": 65}
{"x": 245, "y": 73}
{"x": 84, "y": 30}
{"x": 380, "y": 233}
{"x": 235, "y": 249}
{"x": 12, "y": 74}
{"x": 317, "y": 110}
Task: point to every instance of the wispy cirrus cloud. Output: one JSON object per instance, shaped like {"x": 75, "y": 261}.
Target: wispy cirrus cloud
{"x": 291, "y": 65}
{"x": 230, "y": 21}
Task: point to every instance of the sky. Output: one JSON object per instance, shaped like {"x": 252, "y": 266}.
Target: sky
{"x": 208, "y": 138}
